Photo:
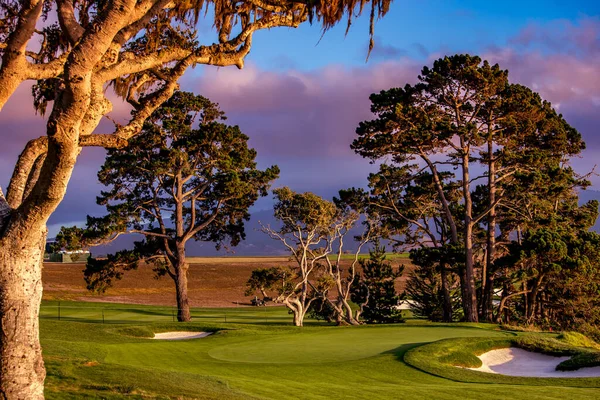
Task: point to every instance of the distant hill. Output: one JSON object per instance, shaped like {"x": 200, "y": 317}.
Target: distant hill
{"x": 258, "y": 243}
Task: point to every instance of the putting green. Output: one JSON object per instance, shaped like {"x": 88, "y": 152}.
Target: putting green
{"x": 333, "y": 345}
{"x": 311, "y": 347}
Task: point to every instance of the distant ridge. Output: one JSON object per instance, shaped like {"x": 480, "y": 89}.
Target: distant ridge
{"x": 258, "y": 243}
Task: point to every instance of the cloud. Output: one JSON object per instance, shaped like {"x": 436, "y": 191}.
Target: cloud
{"x": 385, "y": 51}
{"x": 580, "y": 38}
{"x": 301, "y": 114}
{"x": 561, "y": 61}
{"x": 304, "y": 121}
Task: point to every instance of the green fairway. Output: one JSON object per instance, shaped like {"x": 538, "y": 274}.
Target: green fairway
{"x": 255, "y": 359}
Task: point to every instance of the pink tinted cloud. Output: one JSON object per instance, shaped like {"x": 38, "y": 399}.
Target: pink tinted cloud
{"x": 563, "y": 80}
{"x": 562, "y": 36}
{"x": 560, "y": 59}
{"x": 301, "y": 113}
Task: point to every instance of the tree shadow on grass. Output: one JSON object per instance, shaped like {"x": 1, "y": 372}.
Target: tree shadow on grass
{"x": 400, "y": 351}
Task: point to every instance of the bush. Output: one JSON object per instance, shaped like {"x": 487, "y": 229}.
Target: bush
{"x": 322, "y": 310}
{"x": 578, "y": 340}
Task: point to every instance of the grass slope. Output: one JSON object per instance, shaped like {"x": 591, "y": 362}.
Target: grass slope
{"x": 259, "y": 360}
{"x": 443, "y": 358}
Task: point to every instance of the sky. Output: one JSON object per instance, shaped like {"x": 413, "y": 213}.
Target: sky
{"x": 302, "y": 94}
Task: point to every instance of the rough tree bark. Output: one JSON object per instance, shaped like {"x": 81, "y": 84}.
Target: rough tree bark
{"x": 181, "y": 265}
{"x": 181, "y": 286}
{"x": 20, "y": 297}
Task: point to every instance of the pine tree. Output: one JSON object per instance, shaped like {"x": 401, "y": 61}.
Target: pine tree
{"x": 375, "y": 291}
{"x": 432, "y": 289}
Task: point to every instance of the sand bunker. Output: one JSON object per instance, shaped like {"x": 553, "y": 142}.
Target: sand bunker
{"x": 518, "y": 362}
{"x": 180, "y": 335}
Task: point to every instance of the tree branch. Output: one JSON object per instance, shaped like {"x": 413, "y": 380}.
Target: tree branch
{"x": 5, "y": 211}
{"x": 16, "y": 188}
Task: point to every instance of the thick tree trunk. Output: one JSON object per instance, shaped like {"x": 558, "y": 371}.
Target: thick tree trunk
{"x": 532, "y": 300}
{"x": 297, "y": 309}
{"x": 22, "y": 370}
{"x": 181, "y": 287}
{"x": 22, "y": 244}
{"x": 298, "y": 320}
{"x": 181, "y": 265}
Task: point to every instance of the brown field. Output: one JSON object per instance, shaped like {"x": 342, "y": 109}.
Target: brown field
{"x": 213, "y": 282}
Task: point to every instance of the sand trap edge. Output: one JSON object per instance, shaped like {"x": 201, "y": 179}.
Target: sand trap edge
{"x": 180, "y": 335}
{"x": 513, "y": 361}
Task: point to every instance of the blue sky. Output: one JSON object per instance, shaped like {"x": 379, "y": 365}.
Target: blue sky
{"x": 436, "y": 26}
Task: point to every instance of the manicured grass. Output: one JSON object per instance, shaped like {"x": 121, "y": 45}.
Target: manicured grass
{"x": 443, "y": 358}
{"x": 112, "y": 313}
{"x": 260, "y": 360}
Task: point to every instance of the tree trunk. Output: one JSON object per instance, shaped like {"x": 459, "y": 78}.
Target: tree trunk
{"x": 447, "y": 306}
{"x": 533, "y": 299}
{"x": 181, "y": 287}
{"x": 469, "y": 294}
{"x": 21, "y": 364}
{"x": 22, "y": 245}
{"x": 298, "y": 316}
{"x": 348, "y": 317}
{"x": 488, "y": 278}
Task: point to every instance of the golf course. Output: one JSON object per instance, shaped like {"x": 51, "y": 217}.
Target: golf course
{"x": 256, "y": 353}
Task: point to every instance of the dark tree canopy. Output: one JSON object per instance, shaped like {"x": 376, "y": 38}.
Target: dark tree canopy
{"x": 70, "y": 238}
{"x": 468, "y": 154}
{"x": 187, "y": 176}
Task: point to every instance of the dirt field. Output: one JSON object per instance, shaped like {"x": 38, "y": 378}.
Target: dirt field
{"x": 213, "y": 282}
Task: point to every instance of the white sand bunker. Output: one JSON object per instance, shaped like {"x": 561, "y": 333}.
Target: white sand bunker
{"x": 518, "y": 362}
{"x": 181, "y": 335}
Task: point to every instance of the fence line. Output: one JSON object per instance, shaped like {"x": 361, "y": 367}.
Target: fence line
{"x": 128, "y": 314}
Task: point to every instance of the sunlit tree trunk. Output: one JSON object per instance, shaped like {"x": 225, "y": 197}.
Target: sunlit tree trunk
{"x": 181, "y": 289}
{"x": 22, "y": 370}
